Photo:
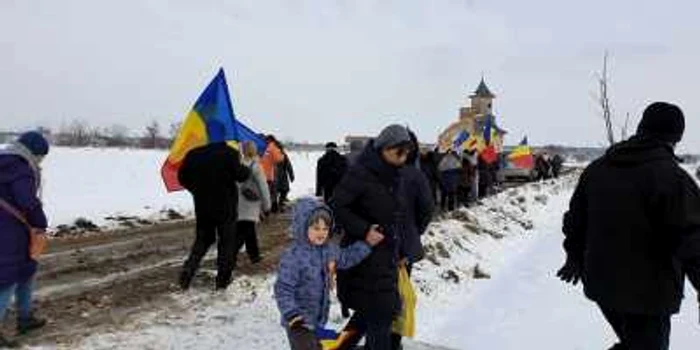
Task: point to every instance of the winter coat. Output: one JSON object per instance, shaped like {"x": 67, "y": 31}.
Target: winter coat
{"x": 330, "y": 169}
{"x": 304, "y": 280}
{"x": 449, "y": 162}
{"x": 429, "y": 166}
{"x": 19, "y": 181}
{"x": 356, "y": 149}
{"x": 634, "y": 225}
{"x": 250, "y": 210}
{"x": 273, "y": 156}
{"x": 211, "y": 173}
{"x": 368, "y": 195}
{"x": 419, "y": 206}
{"x": 284, "y": 174}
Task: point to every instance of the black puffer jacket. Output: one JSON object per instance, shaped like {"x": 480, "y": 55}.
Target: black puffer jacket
{"x": 369, "y": 195}
{"x": 329, "y": 171}
{"x": 634, "y": 224}
{"x": 211, "y": 174}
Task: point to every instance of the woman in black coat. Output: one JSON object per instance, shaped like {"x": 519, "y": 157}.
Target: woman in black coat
{"x": 367, "y": 202}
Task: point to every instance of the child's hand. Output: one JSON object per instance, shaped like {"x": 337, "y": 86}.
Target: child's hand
{"x": 374, "y": 237}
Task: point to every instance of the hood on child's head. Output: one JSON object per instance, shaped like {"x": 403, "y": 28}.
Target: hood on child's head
{"x": 302, "y": 212}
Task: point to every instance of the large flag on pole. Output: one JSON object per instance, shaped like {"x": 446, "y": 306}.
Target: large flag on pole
{"x": 521, "y": 156}
{"x": 459, "y": 141}
{"x": 211, "y": 120}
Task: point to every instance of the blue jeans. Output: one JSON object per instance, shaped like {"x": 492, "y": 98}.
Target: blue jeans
{"x": 23, "y": 298}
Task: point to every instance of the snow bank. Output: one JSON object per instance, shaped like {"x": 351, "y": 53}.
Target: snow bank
{"x": 94, "y": 184}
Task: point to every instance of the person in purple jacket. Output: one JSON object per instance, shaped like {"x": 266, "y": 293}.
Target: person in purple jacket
{"x": 20, "y": 183}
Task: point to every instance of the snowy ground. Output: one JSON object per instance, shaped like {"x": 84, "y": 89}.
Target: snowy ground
{"x": 245, "y": 317}
{"x": 97, "y": 183}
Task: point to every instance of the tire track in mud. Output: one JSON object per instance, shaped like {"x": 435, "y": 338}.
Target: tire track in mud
{"x": 99, "y": 282}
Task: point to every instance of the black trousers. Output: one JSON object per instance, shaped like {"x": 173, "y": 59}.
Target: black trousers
{"x": 207, "y": 234}
{"x": 247, "y": 236}
{"x": 449, "y": 201}
{"x": 377, "y": 331}
{"x": 272, "y": 186}
{"x": 639, "y": 332}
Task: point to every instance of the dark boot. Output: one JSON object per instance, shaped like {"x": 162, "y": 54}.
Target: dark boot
{"x": 222, "y": 284}
{"x": 7, "y": 343}
{"x": 396, "y": 342}
{"x": 30, "y": 324}
{"x": 186, "y": 277}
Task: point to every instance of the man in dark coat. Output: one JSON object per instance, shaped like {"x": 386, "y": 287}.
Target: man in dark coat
{"x": 557, "y": 165}
{"x": 418, "y": 204}
{"x": 20, "y": 182}
{"x": 329, "y": 170}
{"x": 633, "y": 231}
{"x": 429, "y": 166}
{"x": 366, "y": 201}
{"x": 284, "y": 175}
{"x": 211, "y": 174}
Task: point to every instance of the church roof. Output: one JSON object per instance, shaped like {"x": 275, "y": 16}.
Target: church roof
{"x": 483, "y": 90}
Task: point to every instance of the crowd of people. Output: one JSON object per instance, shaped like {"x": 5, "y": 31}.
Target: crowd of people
{"x": 632, "y": 230}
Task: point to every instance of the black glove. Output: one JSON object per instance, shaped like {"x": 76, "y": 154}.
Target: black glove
{"x": 570, "y": 272}
{"x": 296, "y": 323}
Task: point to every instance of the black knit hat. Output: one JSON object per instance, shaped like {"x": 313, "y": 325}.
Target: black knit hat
{"x": 331, "y": 145}
{"x": 662, "y": 121}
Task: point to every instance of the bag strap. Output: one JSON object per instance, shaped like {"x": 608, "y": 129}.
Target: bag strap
{"x": 14, "y": 212}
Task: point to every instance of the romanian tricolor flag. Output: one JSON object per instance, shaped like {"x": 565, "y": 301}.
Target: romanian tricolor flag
{"x": 521, "y": 156}
{"x": 211, "y": 120}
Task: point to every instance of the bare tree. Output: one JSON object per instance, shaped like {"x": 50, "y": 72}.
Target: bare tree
{"x": 117, "y": 135}
{"x": 152, "y": 136}
{"x": 75, "y": 134}
{"x": 604, "y": 101}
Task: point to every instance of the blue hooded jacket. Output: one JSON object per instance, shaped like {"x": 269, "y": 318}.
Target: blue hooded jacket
{"x": 303, "y": 280}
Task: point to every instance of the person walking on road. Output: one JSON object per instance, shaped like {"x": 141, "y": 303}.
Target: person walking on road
{"x": 330, "y": 169}
{"x": 366, "y": 202}
{"x": 272, "y": 157}
{"x": 211, "y": 173}
{"x": 284, "y": 176}
{"x": 253, "y": 203}
{"x": 632, "y": 232}
{"x": 21, "y": 216}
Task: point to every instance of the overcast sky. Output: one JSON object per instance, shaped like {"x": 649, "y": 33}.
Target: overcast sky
{"x": 321, "y": 69}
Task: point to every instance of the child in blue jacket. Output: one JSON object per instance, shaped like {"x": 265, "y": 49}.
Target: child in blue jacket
{"x": 305, "y": 276}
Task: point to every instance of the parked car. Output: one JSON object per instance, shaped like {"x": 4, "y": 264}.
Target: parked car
{"x": 511, "y": 171}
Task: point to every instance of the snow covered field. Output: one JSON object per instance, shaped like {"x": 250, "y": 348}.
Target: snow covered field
{"x": 97, "y": 183}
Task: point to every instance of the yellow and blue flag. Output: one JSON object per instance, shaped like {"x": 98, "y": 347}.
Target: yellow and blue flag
{"x": 211, "y": 120}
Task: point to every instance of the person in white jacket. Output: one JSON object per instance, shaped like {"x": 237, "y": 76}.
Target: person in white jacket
{"x": 253, "y": 202}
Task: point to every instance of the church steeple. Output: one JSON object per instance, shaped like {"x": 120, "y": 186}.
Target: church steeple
{"x": 483, "y": 91}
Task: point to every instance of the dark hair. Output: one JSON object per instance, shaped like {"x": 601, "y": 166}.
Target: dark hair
{"x": 321, "y": 215}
